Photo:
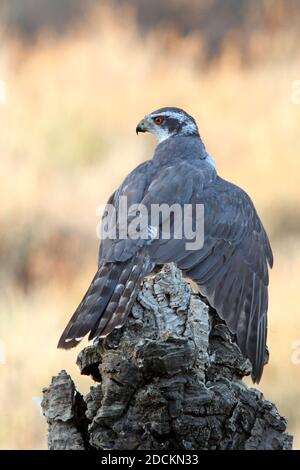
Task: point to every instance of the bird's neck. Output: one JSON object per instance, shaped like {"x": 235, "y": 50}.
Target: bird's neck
{"x": 180, "y": 147}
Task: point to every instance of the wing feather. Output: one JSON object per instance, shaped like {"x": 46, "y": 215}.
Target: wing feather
{"x": 231, "y": 269}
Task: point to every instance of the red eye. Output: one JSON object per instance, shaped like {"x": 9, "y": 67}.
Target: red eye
{"x": 158, "y": 120}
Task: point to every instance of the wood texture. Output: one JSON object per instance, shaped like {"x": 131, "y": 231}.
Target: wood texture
{"x": 170, "y": 379}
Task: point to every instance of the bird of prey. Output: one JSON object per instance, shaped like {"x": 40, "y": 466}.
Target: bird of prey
{"x": 230, "y": 268}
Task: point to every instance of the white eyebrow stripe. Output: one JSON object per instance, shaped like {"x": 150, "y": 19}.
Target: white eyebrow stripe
{"x": 172, "y": 114}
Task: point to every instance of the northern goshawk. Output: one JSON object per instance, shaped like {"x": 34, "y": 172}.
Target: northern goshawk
{"x": 231, "y": 266}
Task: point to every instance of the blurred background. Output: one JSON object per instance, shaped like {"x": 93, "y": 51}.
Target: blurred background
{"x": 75, "y": 78}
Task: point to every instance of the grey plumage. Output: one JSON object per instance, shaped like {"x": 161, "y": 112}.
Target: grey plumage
{"x": 231, "y": 268}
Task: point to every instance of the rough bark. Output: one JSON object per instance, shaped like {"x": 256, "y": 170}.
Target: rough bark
{"x": 169, "y": 379}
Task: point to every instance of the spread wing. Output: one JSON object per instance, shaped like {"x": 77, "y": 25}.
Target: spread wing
{"x": 231, "y": 268}
{"x": 233, "y": 274}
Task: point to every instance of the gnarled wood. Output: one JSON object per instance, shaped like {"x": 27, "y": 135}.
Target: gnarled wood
{"x": 169, "y": 379}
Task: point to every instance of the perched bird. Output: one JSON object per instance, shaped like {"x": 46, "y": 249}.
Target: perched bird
{"x": 231, "y": 266}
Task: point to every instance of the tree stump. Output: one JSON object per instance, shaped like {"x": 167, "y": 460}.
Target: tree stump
{"x": 170, "y": 379}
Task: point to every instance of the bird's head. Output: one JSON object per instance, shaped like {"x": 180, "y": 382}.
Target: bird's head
{"x": 168, "y": 122}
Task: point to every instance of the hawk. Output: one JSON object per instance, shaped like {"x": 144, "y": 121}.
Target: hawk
{"x": 231, "y": 266}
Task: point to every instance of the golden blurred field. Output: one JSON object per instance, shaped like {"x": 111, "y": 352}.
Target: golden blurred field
{"x": 67, "y": 139}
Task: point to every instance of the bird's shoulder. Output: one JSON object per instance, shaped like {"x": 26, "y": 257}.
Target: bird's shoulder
{"x": 140, "y": 173}
{"x": 225, "y": 193}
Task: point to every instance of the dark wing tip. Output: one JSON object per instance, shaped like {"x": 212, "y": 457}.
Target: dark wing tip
{"x": 271, "y": 260}
{"x": 256, "y": 374}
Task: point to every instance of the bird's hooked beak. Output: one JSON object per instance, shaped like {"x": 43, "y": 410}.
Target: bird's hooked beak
{"x": 141, "y": 127}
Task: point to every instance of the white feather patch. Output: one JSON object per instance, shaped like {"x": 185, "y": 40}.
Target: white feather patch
{"x": 162, "y": 134}
{"x": 152, "y": 231}
{"x": 210, "y": 160}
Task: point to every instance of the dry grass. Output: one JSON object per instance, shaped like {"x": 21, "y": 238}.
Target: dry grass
{"x": 67, "y": 139}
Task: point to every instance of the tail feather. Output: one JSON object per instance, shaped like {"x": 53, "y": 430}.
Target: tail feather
{"x": 120, "y": 305}
{"x": 91, "y": 306}
{"x": 113, "y": 303}
{"x": 107, "y": 301}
